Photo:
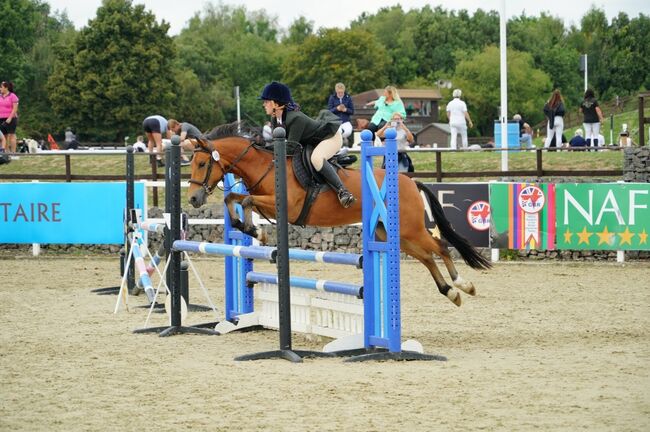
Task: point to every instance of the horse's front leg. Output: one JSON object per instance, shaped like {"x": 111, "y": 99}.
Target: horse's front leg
{"x": 230, "y": 200}
{"x": 266, "y": 205}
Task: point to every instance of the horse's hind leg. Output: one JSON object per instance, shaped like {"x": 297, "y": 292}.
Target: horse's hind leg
{"x": 443, "y": 251}
{"x": 426, "y": 258}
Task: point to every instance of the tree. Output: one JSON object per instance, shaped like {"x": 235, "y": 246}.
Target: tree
{"x": 440, "y": 34}
{"x": 117, "y": 71}
{"x": 332, "y": 56}
{"x": 224, "y": 47}
{"x": 479, "y": 78}
{"x": 299, "y": 30}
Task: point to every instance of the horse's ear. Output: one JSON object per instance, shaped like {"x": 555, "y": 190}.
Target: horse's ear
{"x": 204, "y": 143}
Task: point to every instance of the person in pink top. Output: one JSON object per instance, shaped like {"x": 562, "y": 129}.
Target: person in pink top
{"x": 8, "y": 114}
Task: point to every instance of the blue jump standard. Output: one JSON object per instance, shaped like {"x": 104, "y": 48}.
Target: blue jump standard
{"x": 308, "y": 283}
{"x": 268, "y": 252}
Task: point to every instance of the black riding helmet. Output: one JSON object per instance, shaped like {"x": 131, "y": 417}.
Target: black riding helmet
{"x": 278, "y": 92}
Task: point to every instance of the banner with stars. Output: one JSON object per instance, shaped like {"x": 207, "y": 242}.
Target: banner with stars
{"x": 603, "y": 216}
{"x": 522, "y": 216}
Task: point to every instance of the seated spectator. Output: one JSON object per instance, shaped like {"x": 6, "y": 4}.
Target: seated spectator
{"x": 624, "y": 139}
{"x": 70, "y": 142}
{"x": 139, "y": 145}
{"x": 578, "y": 140}
{"x": 340, "y": 104}
{"x": 525, "y": 132}
{"x": 404, "y": 140}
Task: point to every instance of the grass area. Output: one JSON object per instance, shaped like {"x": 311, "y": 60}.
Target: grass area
{"x": 470, "y": 161}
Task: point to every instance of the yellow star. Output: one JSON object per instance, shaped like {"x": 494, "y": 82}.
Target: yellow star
{"x": 606, "y": 237}
{"x": 643, "y": 237}
{"x": 584, "y": 236}
{"x": 626, "y": 236}
{"x": 567, "y": 236}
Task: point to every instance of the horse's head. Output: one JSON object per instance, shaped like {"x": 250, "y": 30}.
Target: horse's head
{"x": 207, "y": 171}
{"x": 214, "y": 157}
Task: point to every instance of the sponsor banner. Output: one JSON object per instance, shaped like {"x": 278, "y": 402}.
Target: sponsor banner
{"x": 65, "y": 213}
{"x": 522, "y": 216}
{"x": 467, "y": 207}
{"x": 603, "y": 216}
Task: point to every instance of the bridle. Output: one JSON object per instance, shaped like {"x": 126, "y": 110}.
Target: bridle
{"x": 224, "y": 170}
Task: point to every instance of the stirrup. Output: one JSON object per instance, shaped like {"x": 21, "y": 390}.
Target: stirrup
{"x": 346, "y": 198}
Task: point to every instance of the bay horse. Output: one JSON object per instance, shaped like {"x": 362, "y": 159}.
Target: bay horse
{"x": 227, "y": 150}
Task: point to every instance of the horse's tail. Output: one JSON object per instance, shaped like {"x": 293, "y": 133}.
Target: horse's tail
{"x": 471, "y": 256}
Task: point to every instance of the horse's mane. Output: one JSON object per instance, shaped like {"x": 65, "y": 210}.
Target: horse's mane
{"x": 234, "y": 129}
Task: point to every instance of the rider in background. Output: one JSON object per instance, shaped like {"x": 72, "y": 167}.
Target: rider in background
{"x": 323, "y": 135}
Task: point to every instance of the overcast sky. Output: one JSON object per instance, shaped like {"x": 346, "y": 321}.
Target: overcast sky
{"x": 339, "y": 13}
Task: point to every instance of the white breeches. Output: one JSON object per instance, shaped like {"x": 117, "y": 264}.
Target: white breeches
{"x": 326, "y": 149}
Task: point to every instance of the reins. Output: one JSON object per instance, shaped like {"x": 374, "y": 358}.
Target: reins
{"x": 205, "y": 184}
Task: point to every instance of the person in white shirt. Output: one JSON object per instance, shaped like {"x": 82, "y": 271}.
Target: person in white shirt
{"x": 458, "y": 119}
{"x": 139, "y": 145}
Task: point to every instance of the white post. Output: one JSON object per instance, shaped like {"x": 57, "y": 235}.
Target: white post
{"x": 36, "y": 247}
{"x": 504, "y": 88}
{"x": 586, "y": 68}
{"x": 238, "y": 108}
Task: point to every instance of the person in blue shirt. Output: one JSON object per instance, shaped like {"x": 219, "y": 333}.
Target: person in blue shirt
{"x": 578, "y": 140}
{"x": 340, "y": 104}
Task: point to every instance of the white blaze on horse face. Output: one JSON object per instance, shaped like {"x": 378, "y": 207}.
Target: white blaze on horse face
{"x": 215, "y": 155}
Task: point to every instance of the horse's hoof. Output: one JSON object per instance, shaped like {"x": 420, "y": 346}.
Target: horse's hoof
{"x": 466, "y": 287}
{"x": 262, "y": 236}
{"x": 454, "y": 296}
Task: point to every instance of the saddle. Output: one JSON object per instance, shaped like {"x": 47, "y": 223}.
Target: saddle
{"x": 307, "y": 176}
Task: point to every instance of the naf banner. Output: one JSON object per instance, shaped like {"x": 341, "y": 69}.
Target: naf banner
{"x": 523, "y": 216}
{"x": 603, "y": 216}
{"x": 467, "y": 207}
{"x": 65, "y": 213}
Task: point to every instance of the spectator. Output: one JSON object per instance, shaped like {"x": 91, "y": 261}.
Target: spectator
{"x": 554, "y": 112}
{"x": 322, "y": 135}
{"x": 340, "y": 104}
{"x": 186, "y": 132}
{"x": 578, "y": 140}
{"x": 154, "y": 127}
{"x": 70, "y": 142}
{"x": 404, "y": 141}
{"x": 592, "y": 118}
{"x": 8, "y": 114}
{"x": 624, "y": 139}
{"x": 139, "y": 145}
{"x": 458, "y": 119}
{"x": 385, "y": 106}
{"x": 565, "y": 143}
{"x": 525, "y": 132}
{"x": 267, "y": 132}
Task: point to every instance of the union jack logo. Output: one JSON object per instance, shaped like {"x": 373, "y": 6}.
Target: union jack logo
{"x": 531, "y": 199}
{"x": 478, "y": 215}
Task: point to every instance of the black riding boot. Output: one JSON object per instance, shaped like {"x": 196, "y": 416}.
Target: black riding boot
{"x": 329, "y": 172}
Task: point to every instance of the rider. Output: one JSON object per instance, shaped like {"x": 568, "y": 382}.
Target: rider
{"x": 322, "y": 135}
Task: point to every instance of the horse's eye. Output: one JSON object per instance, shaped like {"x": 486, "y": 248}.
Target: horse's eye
{"x": 201, "y": 164}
